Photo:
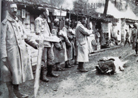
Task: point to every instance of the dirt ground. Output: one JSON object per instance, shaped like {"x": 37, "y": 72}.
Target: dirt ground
{"x": 73, "y": 84}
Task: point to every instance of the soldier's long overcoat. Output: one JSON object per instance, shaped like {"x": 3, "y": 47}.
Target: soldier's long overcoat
{"x": 82, "y": 43}
{"x": 18, "y": 68}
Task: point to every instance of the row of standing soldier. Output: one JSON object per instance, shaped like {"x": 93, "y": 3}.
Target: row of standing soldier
{"x": 133, "y": 38}
{"x": 17, "y": 68}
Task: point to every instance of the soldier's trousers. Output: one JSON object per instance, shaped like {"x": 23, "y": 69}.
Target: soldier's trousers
{"x": 48, "y": 56}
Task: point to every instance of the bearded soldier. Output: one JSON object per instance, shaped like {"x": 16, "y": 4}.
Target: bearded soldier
{"x": 16, "y": 67}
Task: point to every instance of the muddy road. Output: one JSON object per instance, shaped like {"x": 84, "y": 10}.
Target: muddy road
{"x": 73, "y": 84}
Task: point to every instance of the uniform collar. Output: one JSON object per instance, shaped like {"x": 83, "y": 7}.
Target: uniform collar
{"x": 79, "y": 22}
{"x": 11, "y": 19}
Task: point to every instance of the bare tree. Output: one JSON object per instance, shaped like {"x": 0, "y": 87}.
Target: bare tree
{"x": 106, "y": 7}
{"x": 115, "y": 2}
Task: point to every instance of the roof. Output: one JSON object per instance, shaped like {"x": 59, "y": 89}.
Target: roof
{"x": 33, "y": 1}
{"x": 36, "y": 3}
{"x": 112, "y": 10}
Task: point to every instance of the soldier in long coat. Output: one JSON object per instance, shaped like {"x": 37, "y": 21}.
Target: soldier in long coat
{"x": 82, "y": 44}
{"x": 42, "y": 29}
{"x": 58, "y": 52}
{"x": 89, "y": 38}
{"x": 65, "y": 44}
{"x": 134, "y": 36}
{"x": 70, "y": 50}
{"x": 135, "y": 39}
{"x": 16, "y": 67}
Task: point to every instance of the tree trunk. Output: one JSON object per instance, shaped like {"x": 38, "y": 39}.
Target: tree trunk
{"x": 115, "y": 2}
{"x": 106, "y": 7}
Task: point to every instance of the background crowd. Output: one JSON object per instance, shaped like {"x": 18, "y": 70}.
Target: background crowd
{"x": 78, "y": 39}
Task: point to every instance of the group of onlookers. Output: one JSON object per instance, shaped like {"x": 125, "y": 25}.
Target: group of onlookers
{"x": 132, "y": 37}
{"x": 73, "y": 49}
{"x": 17, "y": 68}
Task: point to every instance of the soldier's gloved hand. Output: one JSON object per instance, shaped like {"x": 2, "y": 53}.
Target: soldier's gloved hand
{"x": 32, "y": 43}
{"x": 4, "y": 60}
{"x": 58, "y": 46}
{"x": 64, "y": 36}
{"x": 41, "y": 44}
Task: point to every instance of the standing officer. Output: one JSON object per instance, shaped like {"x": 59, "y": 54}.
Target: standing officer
{"x": 136, "y": 38}
{"x": 16, "y": 67}
{"x": 82, "y": 44}
{"x": 127, "y": 38}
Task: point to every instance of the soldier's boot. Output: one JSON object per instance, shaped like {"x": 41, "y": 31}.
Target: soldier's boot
{"x": 76, "y": 62}
{"x": 72, "y": 62}
{"x": 43, "y": 75}
{"x": 17, "y": 92}
{"x": 59, "y": 68}
{"x": 50, "y": 72}
{"x": 81, "y": 67}
{"x": 136, "y": 51}
{"x": 10, "y": 89}
{"x": 67, "y": 65}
